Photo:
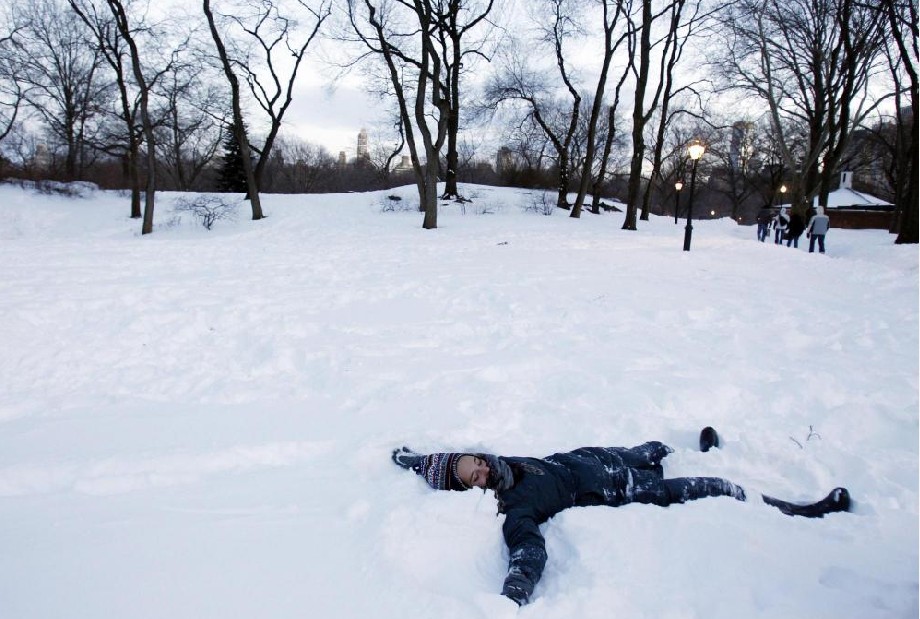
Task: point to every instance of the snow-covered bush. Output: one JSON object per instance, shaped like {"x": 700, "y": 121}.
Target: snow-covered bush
{"x": 209, "y": 209}
{"x": 396, "y": 204}
{"x": 540, "y": 203}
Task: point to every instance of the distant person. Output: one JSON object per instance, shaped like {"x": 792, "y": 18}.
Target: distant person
{"x": 780, "y": 225}
{"x": 816, "y": 230}
{"x": 795, "y": 229}
{"x": 530, "y": 491}
{"x": 764, "y": 217}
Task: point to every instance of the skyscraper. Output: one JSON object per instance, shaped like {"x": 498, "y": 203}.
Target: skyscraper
{"x": 362, "y": 152}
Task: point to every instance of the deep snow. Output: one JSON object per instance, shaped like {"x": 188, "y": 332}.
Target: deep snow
{"x": 198, "y": 424}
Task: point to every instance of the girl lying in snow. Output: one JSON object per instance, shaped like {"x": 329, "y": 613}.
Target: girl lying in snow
{"x": 532, "y": 490}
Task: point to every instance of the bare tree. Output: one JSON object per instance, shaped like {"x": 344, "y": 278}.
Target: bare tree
{"x": 518, "y": 80}
{"x": 901, "y": 19}
{"x": 639, "y": 116}
{"x": 11, "y": 92}
{"x": 389, "y": 145}
{"x": 404, "y": 36}
{"x": 59, "y": 73}
{"x": 457, "y": 21}
{"x": 524, "y": 158}
{"x": 610, "y": 138}
{"x": 684, "y": 19}
{"x": 190, "y": 137}
{"x": 271, "y": 28}
{"x": 128, "y": 34}
{"x": 811, "y": 61}
{"x": 669, "y": 49}
{"x": 530, "y": 144}
{"x": 612, "y": 11}
{"x": 238, "y": 126}
{"x": 112, "y": 48}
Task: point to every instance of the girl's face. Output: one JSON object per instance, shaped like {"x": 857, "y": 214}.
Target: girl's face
{"x": 473, "y": 471}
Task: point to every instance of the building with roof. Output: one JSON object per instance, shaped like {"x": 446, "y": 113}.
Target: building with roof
{"x": 845, "y": 197}
{"x": 848, "y": 208}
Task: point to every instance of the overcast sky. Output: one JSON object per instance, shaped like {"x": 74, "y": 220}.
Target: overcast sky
{"x": 331, "y": 117}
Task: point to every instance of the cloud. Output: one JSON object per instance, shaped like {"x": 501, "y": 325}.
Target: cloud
{"x": 331, "y": 117}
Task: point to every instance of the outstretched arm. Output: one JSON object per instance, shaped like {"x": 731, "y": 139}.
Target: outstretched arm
{"x": 407, "y": 459}
{"x": 527, "y": 556}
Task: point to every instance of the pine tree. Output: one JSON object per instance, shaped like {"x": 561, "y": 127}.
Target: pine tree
{"x": 232, "y": 178}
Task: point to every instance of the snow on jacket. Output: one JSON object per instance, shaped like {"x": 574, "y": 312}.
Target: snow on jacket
{"x": 818, "y": 224}
{"x": 544, "y": 487}
{"x": 781, "y": 221}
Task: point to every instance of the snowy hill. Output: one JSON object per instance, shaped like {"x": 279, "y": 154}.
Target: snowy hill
{"x": 197, "y": 424}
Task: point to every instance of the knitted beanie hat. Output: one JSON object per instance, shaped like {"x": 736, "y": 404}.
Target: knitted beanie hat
{"x": 440, "y": 471}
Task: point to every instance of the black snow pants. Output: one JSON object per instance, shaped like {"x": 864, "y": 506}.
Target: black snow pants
{"x": 620, "y": 475}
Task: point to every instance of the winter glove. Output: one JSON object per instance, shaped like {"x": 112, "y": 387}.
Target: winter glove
{"x": 516, "y": 592}
{"x": 406, "y": 458}
{"x": 500, "y": 475}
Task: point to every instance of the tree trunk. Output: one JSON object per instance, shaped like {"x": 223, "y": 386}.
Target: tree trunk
{"x": 147, "y": 124}
{"x": 453, "y": 159}
{"x": 906, "y": 196}
{"x": 150, "y": 191}
{"x": 608, "y": 146}
{"x": 239, "y": 129}
{"x": 428, "y": 191}
{"x": 634, "y": 190}
{"x": 590, "y": 147}
{"x": 453, "y": 122}
{"x": 562, "y": 198}
{"x": 670, "y": 55}
{"x": 134, "y": 176}
{"x": 70, "y": 160}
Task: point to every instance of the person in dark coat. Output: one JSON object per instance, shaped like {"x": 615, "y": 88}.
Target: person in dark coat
{"x": 796, "y": 228}
{"x": 764, "y": 217}
{"x": 530, "y": 491}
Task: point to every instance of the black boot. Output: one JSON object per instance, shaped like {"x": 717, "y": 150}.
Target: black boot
{"x": 837, "y": 501}
{"x": 709, "y": 438}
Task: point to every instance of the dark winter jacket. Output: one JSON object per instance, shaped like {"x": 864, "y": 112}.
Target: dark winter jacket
{"x": 796, "y": 226}
{"x": 544, "y": 487}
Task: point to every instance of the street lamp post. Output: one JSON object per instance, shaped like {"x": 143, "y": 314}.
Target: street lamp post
{"x": 696, "y": 151}
{"x": 677, "y": 187}
{"x": 782, "y": 194}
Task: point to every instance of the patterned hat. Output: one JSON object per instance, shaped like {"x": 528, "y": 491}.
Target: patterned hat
{"x": 440, "y": 471}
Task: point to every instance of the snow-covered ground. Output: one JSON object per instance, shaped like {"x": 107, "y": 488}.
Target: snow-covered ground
{"x": 198, "y": 424}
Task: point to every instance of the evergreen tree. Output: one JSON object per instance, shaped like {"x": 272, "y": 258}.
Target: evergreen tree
{"x": 232, "y": 178}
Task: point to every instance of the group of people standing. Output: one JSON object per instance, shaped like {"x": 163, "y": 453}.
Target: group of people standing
{"x": 789, "y": 227}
